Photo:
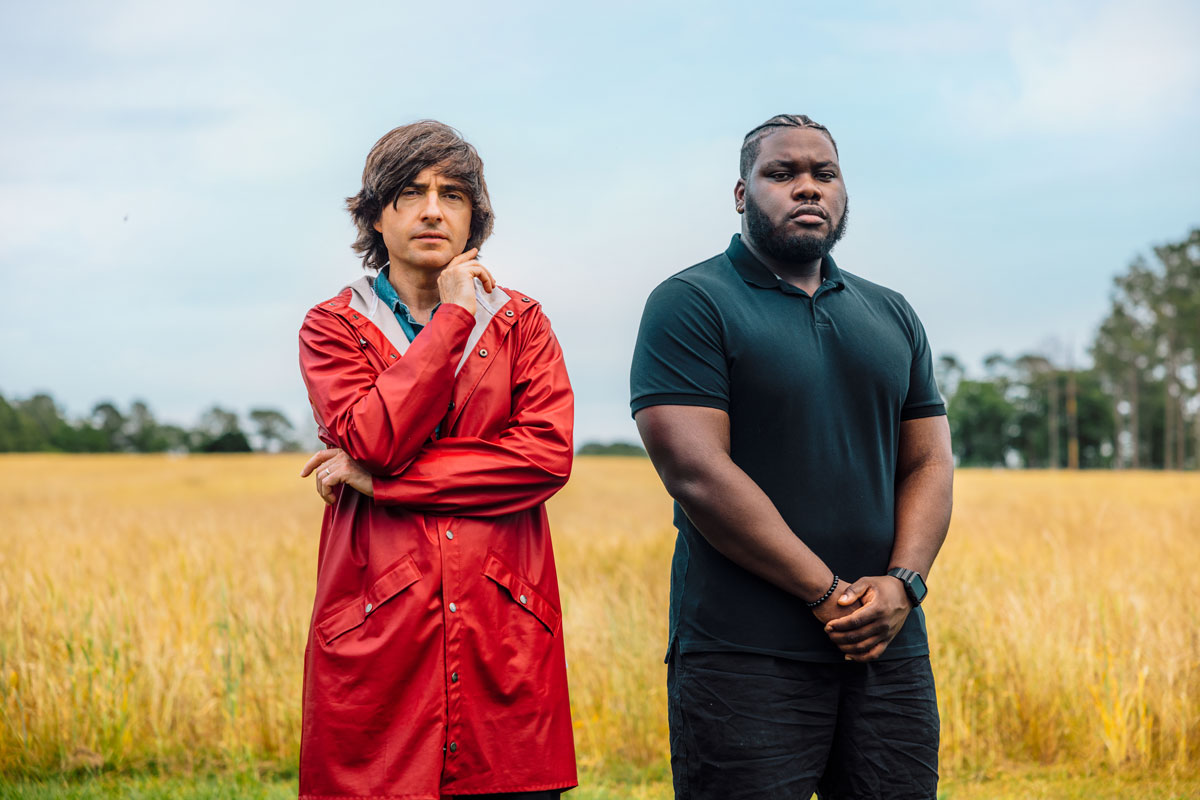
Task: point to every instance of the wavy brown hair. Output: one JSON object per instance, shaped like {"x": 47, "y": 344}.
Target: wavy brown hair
{"x": 395, "y": 161}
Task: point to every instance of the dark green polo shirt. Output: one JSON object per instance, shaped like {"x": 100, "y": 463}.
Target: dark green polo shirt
{"x": 815, "y": 388}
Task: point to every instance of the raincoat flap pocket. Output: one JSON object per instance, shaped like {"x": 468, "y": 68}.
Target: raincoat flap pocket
{"x": 523, "y": 594}
{"x": 393, "y": 581}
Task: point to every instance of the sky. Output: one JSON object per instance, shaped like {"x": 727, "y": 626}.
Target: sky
{"x": 173, "y": 175}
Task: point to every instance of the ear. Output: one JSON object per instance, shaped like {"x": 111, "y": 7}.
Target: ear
{"x": 739, "y": 195}
{"x": 378, "y": 226}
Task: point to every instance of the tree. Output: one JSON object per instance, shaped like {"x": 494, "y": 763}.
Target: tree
{"x": 273, "y": 429}
{"x": 219, "y": 432}
{"x": 110, "y": 423}
{"x": 981, "y": 423}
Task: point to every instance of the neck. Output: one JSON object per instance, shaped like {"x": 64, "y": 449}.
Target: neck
{"x": 417, "y": 289}
{"x": 804, "y": 275}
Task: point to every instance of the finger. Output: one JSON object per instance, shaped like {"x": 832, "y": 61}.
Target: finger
{"x": 326, "y": 491}
{"x": 485, "y": 277}
{"x": 861, "y": 617}
{"x": 464, "y": 256}
{"x": 856, "y": 636}
{"x": 317, "y": 460}
{"x": 874, "y": 653}
{"x": 860, "y": 637}
{"x": 477, "y": 270}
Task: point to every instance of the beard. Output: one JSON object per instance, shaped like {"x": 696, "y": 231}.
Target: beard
{"x": 796, "y": 247}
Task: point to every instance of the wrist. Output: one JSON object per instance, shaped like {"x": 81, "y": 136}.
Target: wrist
{"x": 914, "y": 585}
{"x": 820, "y": 601}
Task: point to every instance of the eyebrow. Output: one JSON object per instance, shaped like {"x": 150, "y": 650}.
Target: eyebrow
{"x": 447, "y": 186}
{"x": 787, "y": 162}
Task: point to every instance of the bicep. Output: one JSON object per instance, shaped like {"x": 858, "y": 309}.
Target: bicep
{"x": 924, "y": 441}
{"x": 682, "y": 439}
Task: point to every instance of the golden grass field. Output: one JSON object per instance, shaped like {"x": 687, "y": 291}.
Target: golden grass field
{"x": 153, "y": 613}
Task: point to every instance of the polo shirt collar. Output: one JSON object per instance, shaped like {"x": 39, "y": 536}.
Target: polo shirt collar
{"x": 756, "y": 273}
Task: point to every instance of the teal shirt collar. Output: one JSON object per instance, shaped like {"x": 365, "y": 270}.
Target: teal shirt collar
{"x": 387, "y": 294}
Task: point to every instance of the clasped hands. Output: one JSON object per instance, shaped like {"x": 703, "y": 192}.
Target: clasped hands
{"x": 862, "y": 619}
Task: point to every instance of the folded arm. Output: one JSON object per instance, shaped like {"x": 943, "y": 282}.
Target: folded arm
{"x": 469, "y": 476}
{"x": 381, "y": 419}
{"x": 523, "y": 467}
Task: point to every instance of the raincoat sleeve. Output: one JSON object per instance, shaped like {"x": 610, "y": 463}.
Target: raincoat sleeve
{"x": 381, "y": 419}
{"x": 520, "y": 469}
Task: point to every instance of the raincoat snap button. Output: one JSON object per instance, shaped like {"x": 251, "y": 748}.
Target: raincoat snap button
{"x": 453, "y": 608}
{"x": 525, "y": 300}
{"x": 453, "y": 747}
{"x": 483, "y": 353}
{"x": 369, "y": 607}
{"x": 393, "y": 355}
{"x": 451, "y": 405}
{"x": 356, "y": 316}
{"x": 449, "y": 534}
{"x": 524, "y": 600}
{"x": 454, "y": 677}
{"x": 363, "y": 342}
{"x": 508, "y": 313}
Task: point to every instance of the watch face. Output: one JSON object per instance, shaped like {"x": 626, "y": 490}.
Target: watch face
{"x": 917, "y": 585}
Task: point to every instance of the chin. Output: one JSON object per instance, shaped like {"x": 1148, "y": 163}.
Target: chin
{"x": 436, "y": 259}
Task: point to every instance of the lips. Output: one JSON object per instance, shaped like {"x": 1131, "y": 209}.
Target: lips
{"x": 808, "y": 214}
{"x": 431, "y": 236}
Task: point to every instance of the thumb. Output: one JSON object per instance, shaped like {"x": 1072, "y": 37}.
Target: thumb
{"x": 852, "y": 593}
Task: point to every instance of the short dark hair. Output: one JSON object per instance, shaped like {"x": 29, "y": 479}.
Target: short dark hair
{"x": 394, "y": 163}
{"x": 752, "y": 143}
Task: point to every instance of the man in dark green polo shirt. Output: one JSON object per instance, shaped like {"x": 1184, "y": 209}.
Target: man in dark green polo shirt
{"x": 790, "y": 409}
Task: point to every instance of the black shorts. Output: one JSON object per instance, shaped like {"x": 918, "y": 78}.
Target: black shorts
{"x": 745, "y": 725}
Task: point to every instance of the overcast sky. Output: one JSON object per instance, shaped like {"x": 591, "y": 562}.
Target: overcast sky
{"x": 172, "y": 175}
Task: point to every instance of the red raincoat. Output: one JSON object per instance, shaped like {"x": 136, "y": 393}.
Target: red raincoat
{"x": 435, "y": 661}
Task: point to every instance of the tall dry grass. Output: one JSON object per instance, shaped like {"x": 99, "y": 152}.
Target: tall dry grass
{"x": 153, "y": 612}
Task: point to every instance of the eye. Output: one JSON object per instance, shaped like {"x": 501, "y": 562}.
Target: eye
{"x": 780, "y": 176}
{"x": 458, "y": 197}
{"x": 409, "y": 191}
{"x": 825, "y": 175}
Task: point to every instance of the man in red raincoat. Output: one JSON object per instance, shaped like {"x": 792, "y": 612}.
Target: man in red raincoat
{"x": 435, "y": 665}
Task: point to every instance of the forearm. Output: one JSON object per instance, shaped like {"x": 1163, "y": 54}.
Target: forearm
{"x": 924, "y": 497}
{"x": 737, "y": 518}
{"x": 473, "y": 477}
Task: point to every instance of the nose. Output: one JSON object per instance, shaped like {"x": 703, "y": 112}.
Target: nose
{"x": 432, "y": 210}
{"x": 807, "y": 188}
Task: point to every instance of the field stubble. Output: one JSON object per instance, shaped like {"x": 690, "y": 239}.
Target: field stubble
{"x": 153, "y": 613}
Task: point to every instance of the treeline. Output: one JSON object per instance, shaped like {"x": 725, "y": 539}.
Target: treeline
{"x": 1136, "y": 407}
{"x": 37, "y": 424}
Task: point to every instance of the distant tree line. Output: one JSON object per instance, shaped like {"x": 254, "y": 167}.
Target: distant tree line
{"x": 1136, "y": 407}
{"x": 611, "y": 449}
{"x": 37, "y": 424}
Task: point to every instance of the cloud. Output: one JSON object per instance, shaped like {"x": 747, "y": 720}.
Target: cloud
{"x": 1122, "y": 66}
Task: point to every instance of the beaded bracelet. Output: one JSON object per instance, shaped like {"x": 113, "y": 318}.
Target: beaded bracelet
{"x": 825, "y": 596}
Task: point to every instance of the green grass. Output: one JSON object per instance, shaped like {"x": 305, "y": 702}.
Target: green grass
{"x": 1020, "y": 785}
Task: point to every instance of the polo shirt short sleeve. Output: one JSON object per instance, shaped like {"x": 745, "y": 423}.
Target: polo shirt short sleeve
{"x": 816, "y": 389}
{"x": 680, "y": 352}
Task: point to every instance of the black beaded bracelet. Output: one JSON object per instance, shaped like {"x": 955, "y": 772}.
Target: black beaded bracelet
{"x": 825, "y": 596}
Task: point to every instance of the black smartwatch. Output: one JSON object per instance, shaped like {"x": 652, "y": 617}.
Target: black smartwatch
{"x": 914, "y": 584}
